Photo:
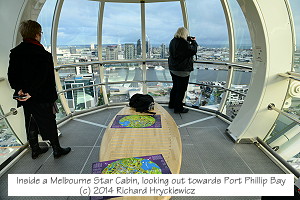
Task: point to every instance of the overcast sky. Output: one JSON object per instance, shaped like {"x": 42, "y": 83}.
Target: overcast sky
{"x": 122, "y": 22}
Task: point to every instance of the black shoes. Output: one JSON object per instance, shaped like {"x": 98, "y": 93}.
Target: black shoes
{"x": 184, "y": 110}
{"x": 58, "y": 151}
{"x": 37, "y": 151}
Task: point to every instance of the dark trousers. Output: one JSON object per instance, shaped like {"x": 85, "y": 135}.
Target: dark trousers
{"x": 178, "y": 91}
{"x": 39, "y": 119}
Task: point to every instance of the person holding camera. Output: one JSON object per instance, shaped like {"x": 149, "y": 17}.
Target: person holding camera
{"x": 31, "y": 75}
{"x": 182, "y": 48}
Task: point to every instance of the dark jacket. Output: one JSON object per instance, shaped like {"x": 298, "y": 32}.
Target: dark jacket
{"x": 181, "y": 54}
{"x": 31, "y": 69}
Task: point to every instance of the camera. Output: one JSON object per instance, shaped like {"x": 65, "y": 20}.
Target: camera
{"x": 190, "y": 38}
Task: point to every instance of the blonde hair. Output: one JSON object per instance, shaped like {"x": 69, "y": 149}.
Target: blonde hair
{"x": 181, "y": 33}
{"x": 29, "y": 29}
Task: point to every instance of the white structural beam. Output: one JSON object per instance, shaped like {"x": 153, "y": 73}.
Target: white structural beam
{"x": 99, "y": 42}
{"x": 272, "y": 54}
{"x": 230, "y": 30}
{"x": 11, "y": 16}
{"x": 184, "y": 14}
{"x": 54, "y": 30}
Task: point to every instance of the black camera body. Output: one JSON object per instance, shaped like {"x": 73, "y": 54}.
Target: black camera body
{"x": 190, "y": 38}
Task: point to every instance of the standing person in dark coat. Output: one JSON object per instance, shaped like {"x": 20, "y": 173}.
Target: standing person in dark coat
{"x": 31, "y": 75}
{"x": 181, "y": 50}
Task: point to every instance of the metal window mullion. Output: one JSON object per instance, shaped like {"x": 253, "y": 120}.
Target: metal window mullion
{"x": 293, "y": 117}
{"x": 84, "y": 96}
{"x": 54, "y": 30}
{"x": 99, "y": 42}
{"x": 99, "y": 30}
{"x": 227, "y": 86}
{"x": 292, "y": 25}
{"x": 143, "y": 27}
{"x": 184, "y": 14}
{"x": 186, "y": 25}
{"x": 230, "y": 29}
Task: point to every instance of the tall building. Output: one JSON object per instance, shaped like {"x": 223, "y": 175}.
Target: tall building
{"x": 92, "y": 46}
{"x": 148, "y": 48}
{"x": 73, "y": 50}
{"x": 139, "y": 48}
{"x": 120, "y": 52}
{"x": 129, "y": 51}
{"x": 163, "y": 51}
{"x": 112, "y": 52}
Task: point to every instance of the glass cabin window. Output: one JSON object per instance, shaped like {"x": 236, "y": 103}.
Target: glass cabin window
{"x": 243, "y": 44}
{"x": 295, "y": 4}
{"x": 207, "y": 22}
{"x": 77, "y": 32}
{"x": 162, "y": 21}
{"x": 121, "y": 31}
{"x": 46, "y": 23}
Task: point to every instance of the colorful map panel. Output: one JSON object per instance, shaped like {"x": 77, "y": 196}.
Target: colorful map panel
{"x": 154, "y": 164}
{"x": 137, "y": 121}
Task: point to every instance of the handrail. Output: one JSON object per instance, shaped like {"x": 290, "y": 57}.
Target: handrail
{"x": 107, "y": 62}
{"x": 217, "y": 86}
{"x": 2, "y": 79}
{"x": 294, "y": 73}
{"x": 122, "y": 82}
{"x": 224, "y": 63}
{"x": 94, "y": 85}
{"x": 291, "y": 75}
{"x": 12, "y": 111}
{"x": 295, "y": 118}
{"x": 278, "y": 157}
{"x": 148, "y": 61}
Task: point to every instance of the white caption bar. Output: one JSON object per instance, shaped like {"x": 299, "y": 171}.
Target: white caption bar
{"x": 150, "y": 185}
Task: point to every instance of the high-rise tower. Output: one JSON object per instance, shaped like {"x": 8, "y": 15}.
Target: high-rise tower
{"x": 129, "y": 51}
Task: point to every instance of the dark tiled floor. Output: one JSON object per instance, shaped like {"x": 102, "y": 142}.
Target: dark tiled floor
{"x": 206, "y": 150}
